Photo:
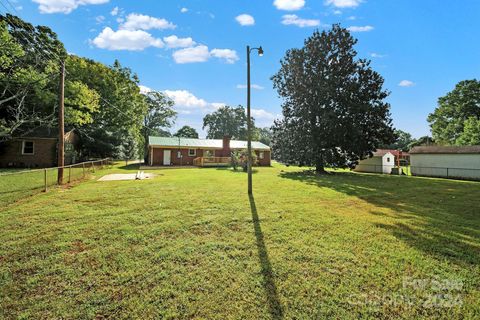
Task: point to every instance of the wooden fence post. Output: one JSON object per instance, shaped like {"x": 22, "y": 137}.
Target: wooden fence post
{"x": 93, "y": 167}
{"x": 69, "y": 174}
{"x": 83, "y": 165}
{"x": 45, "y": 180}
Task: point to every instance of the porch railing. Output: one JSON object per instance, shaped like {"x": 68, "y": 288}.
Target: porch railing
{"x": 211, "y": 161}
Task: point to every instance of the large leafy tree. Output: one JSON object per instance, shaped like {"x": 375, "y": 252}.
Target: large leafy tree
{"x": 227, "y": 121}
{"x": 334, "y": 109}
{"x": 159, "y": 117}
{"x": 471, "y": 133}
{"x": 121, "y": 111}
{"x": 29, "y": 77}
{"x": 402, "y": 142}
{"x": 422, "y": 141}
{"x": 186, "y": 132}
{"x": 454, "y": 111}
{"x": 265, "y": 136}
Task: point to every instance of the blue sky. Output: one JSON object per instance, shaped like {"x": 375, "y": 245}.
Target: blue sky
{"x": 194, "y": 50}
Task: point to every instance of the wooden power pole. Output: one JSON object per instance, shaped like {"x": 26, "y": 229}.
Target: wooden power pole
{"x": 61, "y": 124}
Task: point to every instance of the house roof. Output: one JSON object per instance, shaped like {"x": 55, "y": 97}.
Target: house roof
{"x": 41, "y": 132}
{"x": 202, "y": 143}
{"x": 382, "y": 152}
{"x": 446, "y": 150}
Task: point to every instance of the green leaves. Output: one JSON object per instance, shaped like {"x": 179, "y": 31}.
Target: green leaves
{"x": 449, "y": 120}
{"x": 334, "y": 109}
{"x": 80, "y": 103}
{"x": 187, "y": 132}
{"x": 471, "y": 133}
{"x": 227, "y": 121}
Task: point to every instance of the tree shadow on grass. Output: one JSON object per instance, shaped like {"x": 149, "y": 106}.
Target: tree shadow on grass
{"x": 275, "y": 307}
{"x": 131, "y": 166}
{"x": 439, "y": 217}
{"x": 239, "y": 170}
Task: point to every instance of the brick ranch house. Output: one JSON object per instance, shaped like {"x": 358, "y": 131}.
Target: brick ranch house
{"x": 37, "y": 149}
{"x": 167, "y": 151}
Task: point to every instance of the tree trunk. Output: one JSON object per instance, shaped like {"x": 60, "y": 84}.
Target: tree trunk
{"x": 320, "y": 169}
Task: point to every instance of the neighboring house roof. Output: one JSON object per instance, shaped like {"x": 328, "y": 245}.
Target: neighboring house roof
{"x": 42, "y": 133}
{"x": 48, "y": 133}
{"x": 446, "y": 150}
{"x": 382, "y": 152}
{"x": 202, "y": 143}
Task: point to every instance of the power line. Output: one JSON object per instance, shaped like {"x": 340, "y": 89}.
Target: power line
{"x": 119, "y": 110}
{"x": 48, "y": 54}
{"x": 51, "y": 53}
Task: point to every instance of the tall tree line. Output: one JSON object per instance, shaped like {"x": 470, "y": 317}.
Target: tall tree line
{"x": 103, "y": 103}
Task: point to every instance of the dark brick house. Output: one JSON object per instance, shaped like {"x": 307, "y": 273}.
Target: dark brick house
{"x": 37, "y": 149}
{"x": 167, "y": 151}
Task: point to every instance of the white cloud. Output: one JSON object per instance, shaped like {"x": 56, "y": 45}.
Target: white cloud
{"x": 289, "y": 5}
{"x": 230, "y": 56}
{"x": 201, "y": 53}
{"x": 187, "y": 103}
{"x": 262, "y": 114}
{"x": 137, "y": 21}
{"x": 351, "y": 18}
{"x": 253, "y": 86}
{"x": 114, "y": 11}
{"x": 406, "y": 83}
{"x": 245, "y": 20}
{"x": 191, "y": 55}
{"x": 344, "y": 3}
{"x": 176, "y": 42}
{"x": 377, "y": 55}
{"x": 337, "y": 12}
{"x": 144, "y": 89}
{"x": 217, "y": 105}
{"x": 185, "y": 99}
{"x": 293, "y": 19}
{"x": 64, "y": 6}
{"x": 360, "y": 28}
{"x": 126, "y": 40}
{"x": 184, "y": 10}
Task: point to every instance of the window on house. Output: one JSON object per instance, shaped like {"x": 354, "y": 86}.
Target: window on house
{"x": 261, "y": 155}
{"x": 179, "y": 154}
{"x": 192, "y": 152}
{"x": 388, "y": 159}
{"x": 27, "y": 147}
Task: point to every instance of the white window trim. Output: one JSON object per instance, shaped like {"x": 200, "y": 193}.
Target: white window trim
{"x": 23, "y": 148}
{"x": 261, "y": 155}
{"x": 194, "y": 152}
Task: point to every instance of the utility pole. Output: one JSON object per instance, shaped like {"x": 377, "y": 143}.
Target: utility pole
{"x": 61, "y": 124}
{"x": 249, "y": 125}
{"x": 249, "y": 119}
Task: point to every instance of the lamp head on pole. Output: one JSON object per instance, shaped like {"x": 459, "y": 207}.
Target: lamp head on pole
{"x": 260, "y": 51}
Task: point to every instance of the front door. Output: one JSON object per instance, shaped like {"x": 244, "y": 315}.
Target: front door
{"x": 167, "y": 155}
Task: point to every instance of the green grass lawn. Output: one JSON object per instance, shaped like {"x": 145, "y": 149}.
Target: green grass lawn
{"x": 190, "y": 244}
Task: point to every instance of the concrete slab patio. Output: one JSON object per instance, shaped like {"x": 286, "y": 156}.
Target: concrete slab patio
{"x": 124, "y": 177}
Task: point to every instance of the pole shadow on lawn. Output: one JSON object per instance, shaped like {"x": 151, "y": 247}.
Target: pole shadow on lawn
{"x": 275, "y": 307}
{"x": 438, "y": 217}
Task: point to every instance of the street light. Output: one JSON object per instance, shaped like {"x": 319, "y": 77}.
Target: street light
{"x": 249, "y": 124}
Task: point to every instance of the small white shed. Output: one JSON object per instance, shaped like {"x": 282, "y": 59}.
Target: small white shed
{"x": 457, "y": 162}
{"x": 382, "y": 161}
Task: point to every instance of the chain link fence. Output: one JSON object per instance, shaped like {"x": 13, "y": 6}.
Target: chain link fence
{"x": 21, "y": 184}
{"x": 434, "y": 172}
